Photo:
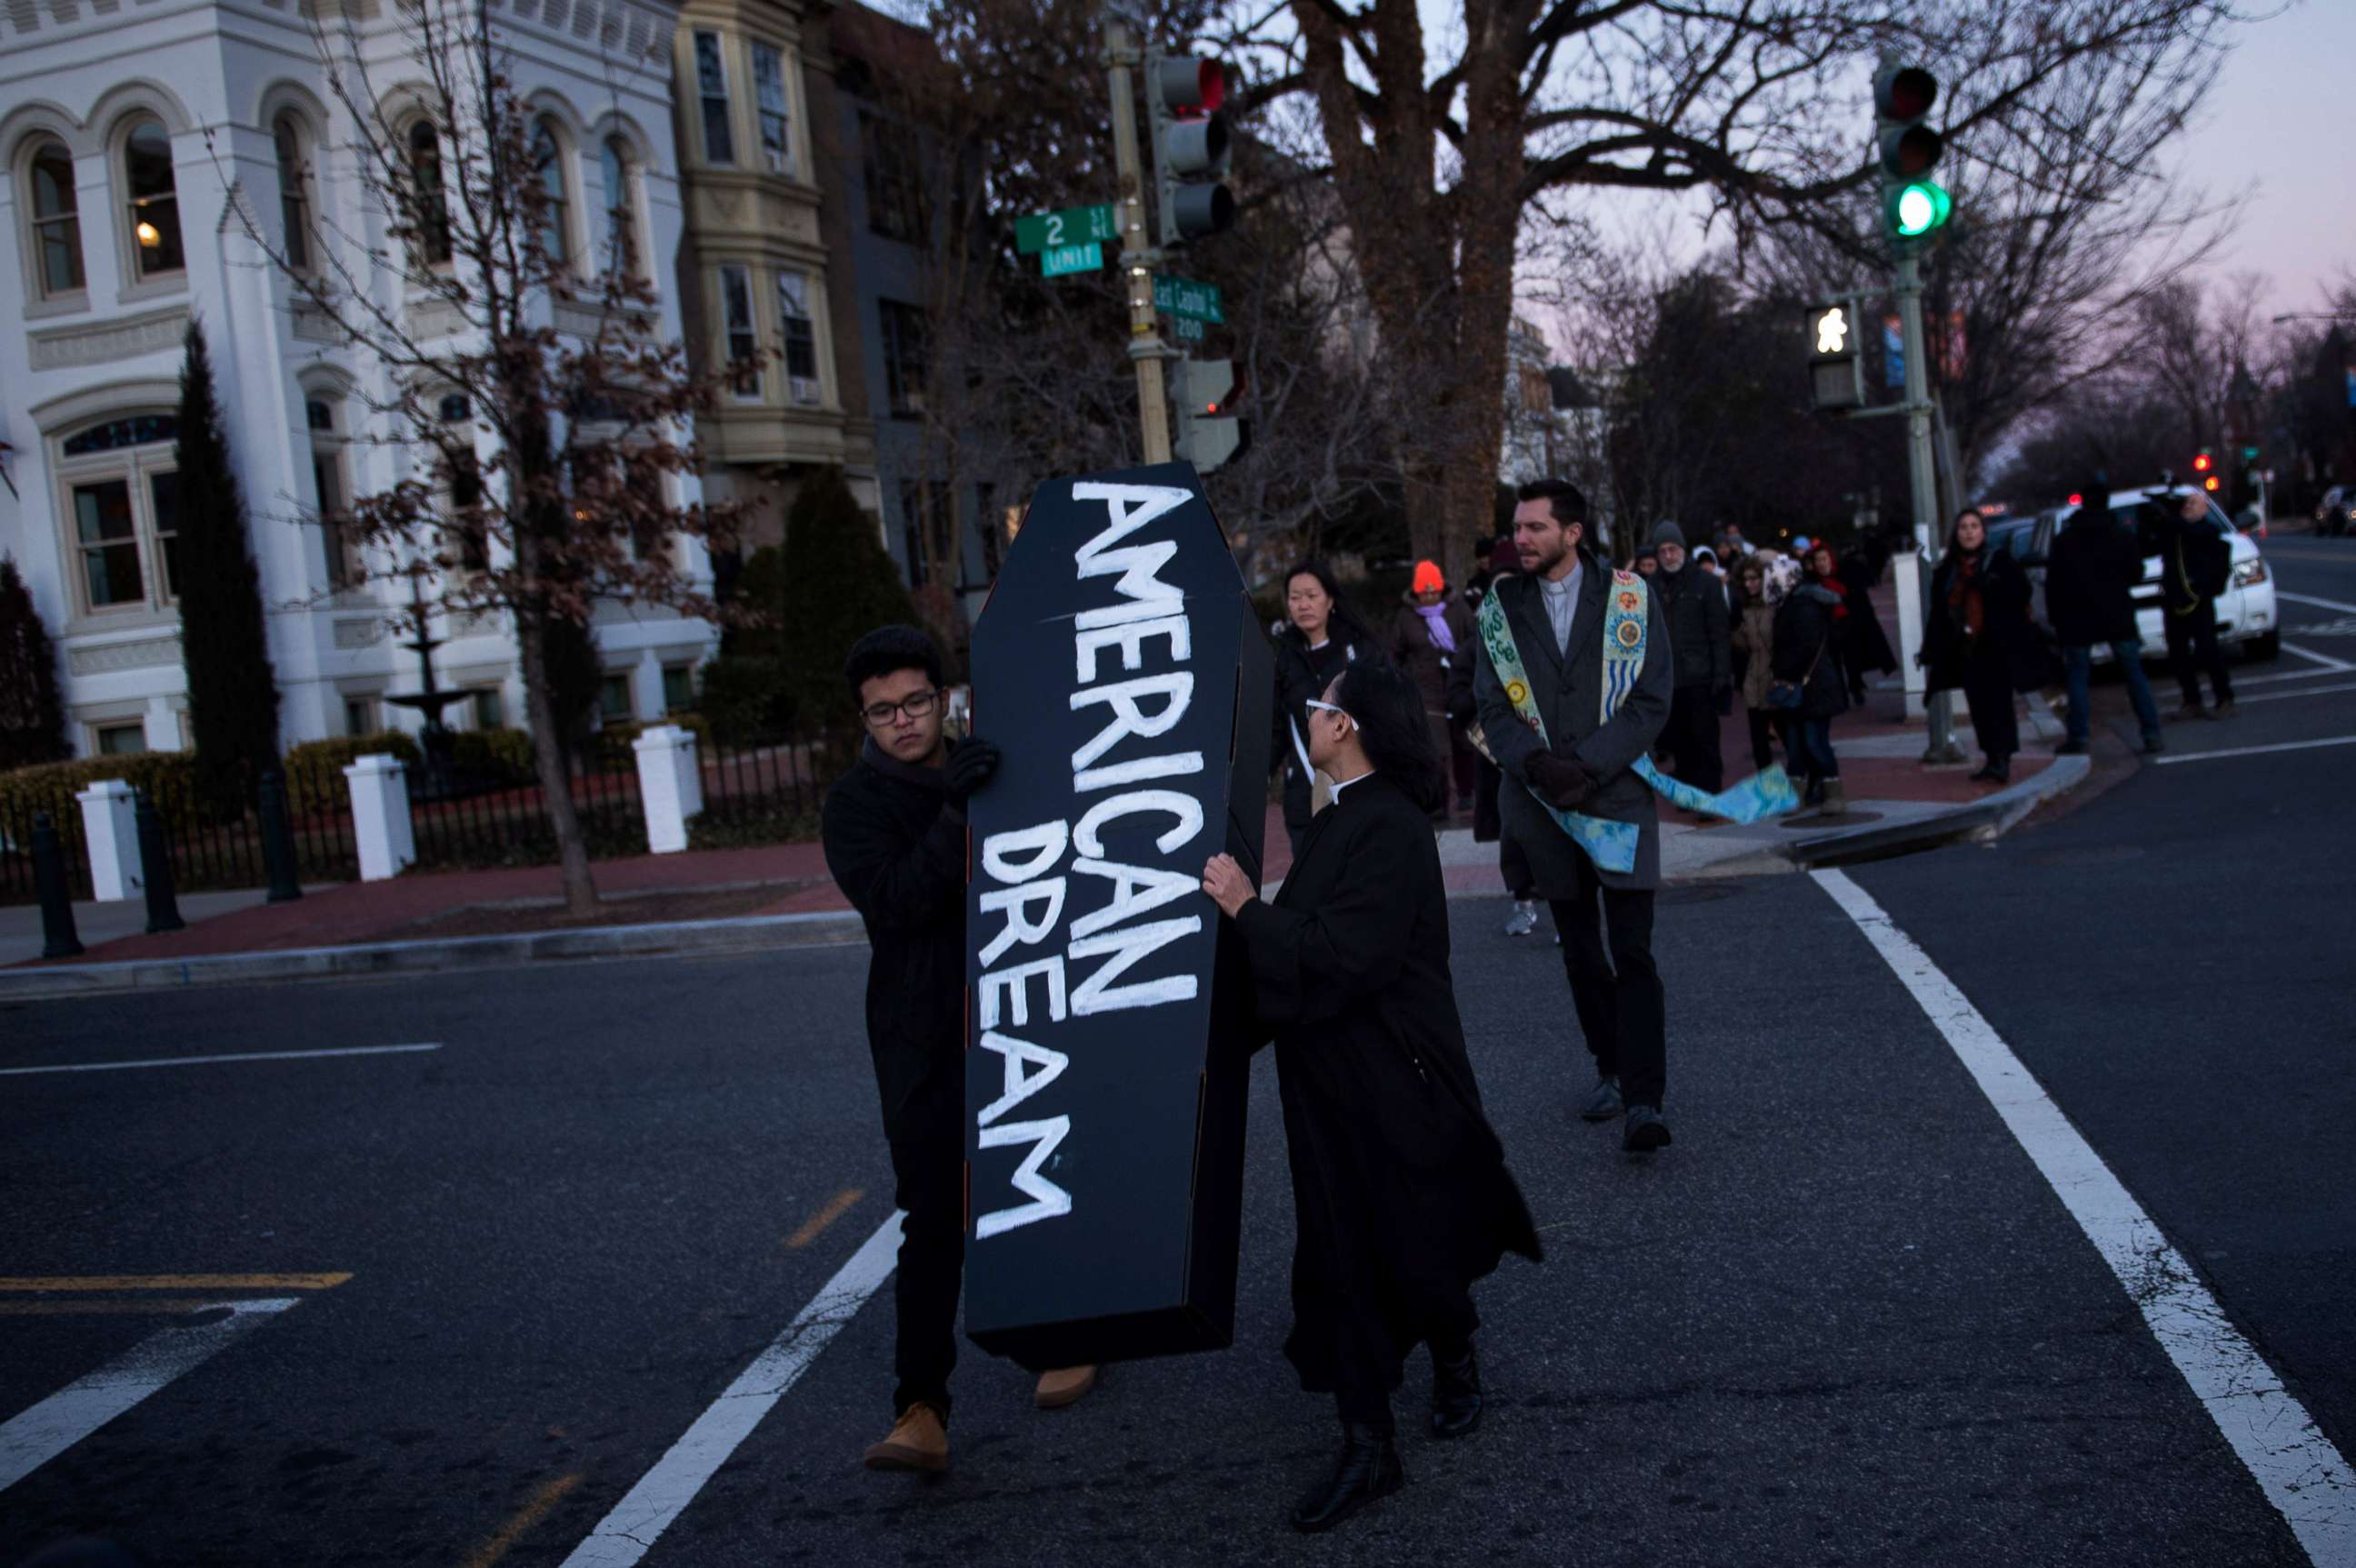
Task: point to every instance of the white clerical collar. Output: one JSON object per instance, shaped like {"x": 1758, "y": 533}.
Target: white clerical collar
{"x": 1568, "y": 581}
{"x": 1342, "y": 784}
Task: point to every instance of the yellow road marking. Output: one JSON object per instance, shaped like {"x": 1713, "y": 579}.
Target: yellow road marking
{"x": 143, "y": 1306}
{"x": 836, "y": 1207}
{"x": 547, "y": 1497}
{"x": 172, "y": 1281}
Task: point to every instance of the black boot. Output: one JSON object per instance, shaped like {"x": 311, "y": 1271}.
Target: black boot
{"x": 1369, "y": 1469}
{"x": 1455, "y": 1395}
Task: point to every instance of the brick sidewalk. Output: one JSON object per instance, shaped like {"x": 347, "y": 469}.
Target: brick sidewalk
{"x": 355, "y": 912}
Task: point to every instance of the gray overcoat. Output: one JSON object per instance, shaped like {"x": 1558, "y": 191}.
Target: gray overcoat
{"x": 1570, "y": 694}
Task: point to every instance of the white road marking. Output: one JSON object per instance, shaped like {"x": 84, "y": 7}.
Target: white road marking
{"x": 2242, "y": 681}
{"x": 2313, "y": 603}
{"x": 40, "y": 1434}
{"x": 627, "y": 1533}
{"x": 2302, "y": 691}
{"x": 2293, "y": 1462}
{"x": 206, "y": 1061}
{"x": 2336, "y": 666}
{"x": 2255, "y": 750}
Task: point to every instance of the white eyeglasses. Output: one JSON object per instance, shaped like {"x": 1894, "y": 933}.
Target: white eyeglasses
{"x": 1312, "y": 702}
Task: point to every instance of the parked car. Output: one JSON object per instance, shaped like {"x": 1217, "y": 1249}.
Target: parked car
{"x": 2336, "y": 511}
{"x": 2245, "y": 610}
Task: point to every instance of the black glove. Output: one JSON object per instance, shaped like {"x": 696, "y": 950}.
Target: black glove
{"x": 1462, "y": 710}
{"x": 1563, "y": 783}
{"x": 971, "y": 763}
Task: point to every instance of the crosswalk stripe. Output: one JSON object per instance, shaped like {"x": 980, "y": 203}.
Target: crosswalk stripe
{"x": 35, "y": 1436}
{"x": 2298, "y": 1468}
{"x": 662, "y": 1494}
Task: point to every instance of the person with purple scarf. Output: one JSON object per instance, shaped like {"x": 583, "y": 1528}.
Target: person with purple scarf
{"x": 1431, "y": 631}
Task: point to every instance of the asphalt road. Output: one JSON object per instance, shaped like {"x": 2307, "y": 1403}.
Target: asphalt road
{"x": 1844, "y": 1319}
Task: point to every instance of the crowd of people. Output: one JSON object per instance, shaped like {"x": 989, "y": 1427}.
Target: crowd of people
{"x": 1531, "y": 696}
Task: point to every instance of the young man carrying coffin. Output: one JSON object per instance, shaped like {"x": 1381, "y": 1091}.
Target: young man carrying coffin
{"x": 894, "y": 833}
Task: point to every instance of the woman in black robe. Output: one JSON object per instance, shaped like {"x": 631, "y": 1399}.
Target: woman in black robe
{"x": 1399, "y": 1186}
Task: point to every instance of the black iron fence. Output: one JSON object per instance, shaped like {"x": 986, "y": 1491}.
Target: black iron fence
{"x": 764, "y": 792}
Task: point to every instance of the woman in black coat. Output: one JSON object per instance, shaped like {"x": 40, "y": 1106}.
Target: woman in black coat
{"x": 1806, "y": 652}
{"x": 1980, "y": 640}
{"x": 1321, "y": 637}
{"x": 1399, "y": 1186}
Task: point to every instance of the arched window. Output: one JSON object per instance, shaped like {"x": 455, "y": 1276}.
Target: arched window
{"x": 294, "y": 192}
{"x": 621, "y": 253}
{"x": 57, "y": 219}
{"x": 153, "y": 204}
{"x": 556, "y": 219}
{"x": 432, "y": 218}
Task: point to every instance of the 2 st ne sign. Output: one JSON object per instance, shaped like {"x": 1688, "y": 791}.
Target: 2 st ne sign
{"x": 1072, "y": 226}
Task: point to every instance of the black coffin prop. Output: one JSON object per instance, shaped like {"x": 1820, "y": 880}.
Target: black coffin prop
{"x": 1120, "y": 669}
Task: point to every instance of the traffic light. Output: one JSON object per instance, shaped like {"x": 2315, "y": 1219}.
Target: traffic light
{"x": 1914, "y": 206}
{"x": 1191, "y": 146}
{"x": 1836, "y": 356}
{"x": 2204, "y": 469}
{"x": 1210, "y": 433}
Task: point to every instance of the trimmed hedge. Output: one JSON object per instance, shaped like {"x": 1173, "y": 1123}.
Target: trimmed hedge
{"x": 504, "y": 756}
{"x": 614, "y": 741}
{"x": 315, "y": 769}
{"x": 169, "y": 777}
{"x": 745, "y": 700}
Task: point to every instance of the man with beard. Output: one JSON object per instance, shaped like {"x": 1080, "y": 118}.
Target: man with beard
{"x": 1601, "y": 709}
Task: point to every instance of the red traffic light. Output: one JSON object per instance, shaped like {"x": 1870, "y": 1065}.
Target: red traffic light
{"x": 2211, "y": 484}
{"x": 1191, "y": 84}
{"x": 2077, "y": 499}
{"x": 2202, "y": 465}
{"x": 1905, "y": 94}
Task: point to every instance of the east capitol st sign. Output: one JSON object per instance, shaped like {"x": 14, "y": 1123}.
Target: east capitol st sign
{"x": 1119, "y": 669}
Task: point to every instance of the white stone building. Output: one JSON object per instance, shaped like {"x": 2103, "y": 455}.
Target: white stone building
{"x": 126, "y": 126}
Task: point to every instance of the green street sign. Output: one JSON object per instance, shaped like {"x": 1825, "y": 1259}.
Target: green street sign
{"x": 1072, "y": 226}
{"x": 1187, "y": 300}
{"x": 1186, "y": 330}
{"x": 1065, "y": 260}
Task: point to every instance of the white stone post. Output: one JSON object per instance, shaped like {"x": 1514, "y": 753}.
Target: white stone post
{"x": 671, "y": 785}
{"x": 1906, "y": 584}
{"x": 379, "y": 787}
{"x": 112, "y": 829}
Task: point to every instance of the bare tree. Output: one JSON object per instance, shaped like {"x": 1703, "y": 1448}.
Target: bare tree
{"x": 1442, "y": 148}
{"x": 545, "y": 427}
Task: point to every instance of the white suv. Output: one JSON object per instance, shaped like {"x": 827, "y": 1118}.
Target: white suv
{"x": 2245, "y": 610}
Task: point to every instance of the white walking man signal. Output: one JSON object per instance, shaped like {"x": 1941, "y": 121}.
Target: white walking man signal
{"x": 1832, "y": 332}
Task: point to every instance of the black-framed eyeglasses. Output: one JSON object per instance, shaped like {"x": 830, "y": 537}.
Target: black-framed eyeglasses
{"x": 915, "y": 705}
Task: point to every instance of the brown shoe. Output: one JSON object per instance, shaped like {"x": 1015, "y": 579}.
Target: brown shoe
{"x": 2223, "y": 710}
{"x": 919, "y": 1440}
{"x": 1063, "y": 1386}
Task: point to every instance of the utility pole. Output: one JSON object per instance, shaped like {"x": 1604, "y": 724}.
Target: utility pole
{"x": 1138, "y": 257}
{"x": 1923, "y": 479}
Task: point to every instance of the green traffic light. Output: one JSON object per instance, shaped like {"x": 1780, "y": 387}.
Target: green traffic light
{"x": 1918, "y": 208}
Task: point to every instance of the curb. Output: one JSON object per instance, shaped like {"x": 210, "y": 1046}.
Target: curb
{"x": 1989, "y": 818}
{"x": 751, "y": 934}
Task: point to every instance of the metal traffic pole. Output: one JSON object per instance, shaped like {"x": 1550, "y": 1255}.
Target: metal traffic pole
{"x": 1922, "y": 473}
{"x": 1138, "y": 257}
